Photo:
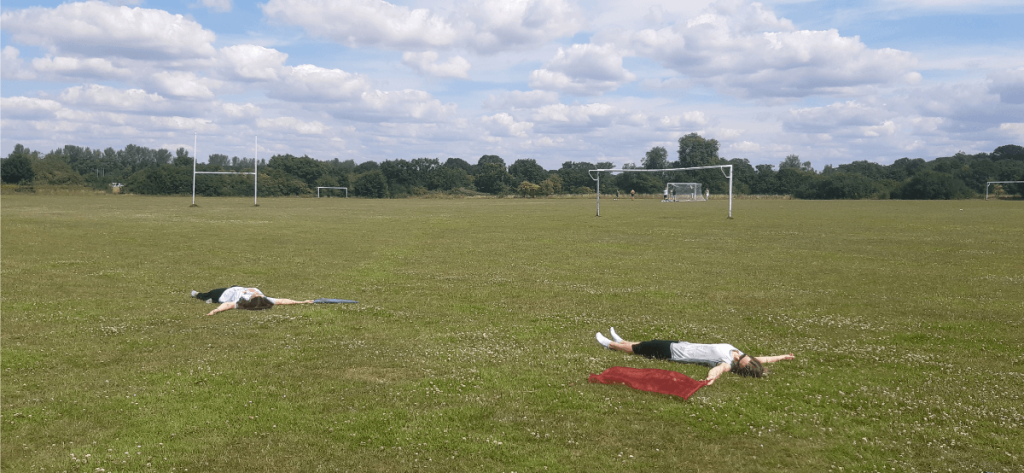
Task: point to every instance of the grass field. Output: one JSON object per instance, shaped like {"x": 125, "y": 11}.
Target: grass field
{"x": 474, "y": 336}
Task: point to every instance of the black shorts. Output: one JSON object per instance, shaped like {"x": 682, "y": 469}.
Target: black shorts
{"x": 213, "y": 295}
{"x": 657, "y": 349}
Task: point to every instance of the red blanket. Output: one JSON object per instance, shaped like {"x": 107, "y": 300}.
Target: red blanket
{"x": 650, "y": 379}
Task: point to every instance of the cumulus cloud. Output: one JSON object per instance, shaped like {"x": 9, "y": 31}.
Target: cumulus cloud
{"x": 81, "y": 29}
{"x": 252, "y": 62}
{"x": 426, "y": 62}
{"x": 108, "y": 98}
{"x": 583, "y": 69}
{"x": 514, "y": 99}
{"x": 292, "y": 125}
{"x": 366, "y": 23}
{"x": 831, "y": 117}
{"x": 73, "y": 68}
{"x": 183, "y": 84}
{"x": 503, "y": 124}
{"x": 222, "y": 6}
{"x": 309, "y": 83}
{"x": 11, "y": 65}
{"x": 486, "y": 26}
{"x": 29, "y": 108}
{"x": 1009, "y": 84}
{"x": 499, "y": 25}
{"x": 745, "y": 50}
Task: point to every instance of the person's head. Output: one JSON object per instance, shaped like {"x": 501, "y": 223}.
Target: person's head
{"x": 747, "y": 366}
{"x": 254, "y": 303}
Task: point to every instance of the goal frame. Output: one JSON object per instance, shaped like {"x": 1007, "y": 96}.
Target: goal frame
{"x": 720, "y": 167}
{"x": 254, "y": 173}
{"x": 989, "y": 183}
{"x": 696, "y": 196}
{"x": 327, "y": 187}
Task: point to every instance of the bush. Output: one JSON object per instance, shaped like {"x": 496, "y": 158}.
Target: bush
{"x": 372, "y": 184}
{"x": 840, "y": 185}
{"x": 931, "y": 185}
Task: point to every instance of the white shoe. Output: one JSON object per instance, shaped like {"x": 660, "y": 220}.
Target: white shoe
{"x": 616, "y": 336}
{"x": 194, "y": 293}
{"x": 603, "y": 340}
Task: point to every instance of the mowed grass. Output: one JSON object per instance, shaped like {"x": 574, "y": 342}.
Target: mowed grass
{"x": 473, "y": 340}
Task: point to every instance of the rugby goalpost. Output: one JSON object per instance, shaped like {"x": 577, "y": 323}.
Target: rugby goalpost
{"x": 720, "y": 167}
{"x": 989, "y": 183}
{"x": 326, "y": 187}
{"x": 254, "y": 173}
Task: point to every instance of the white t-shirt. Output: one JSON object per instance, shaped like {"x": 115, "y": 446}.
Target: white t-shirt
{"x": 707, "y": 354}
{"x": 235, "y": 293}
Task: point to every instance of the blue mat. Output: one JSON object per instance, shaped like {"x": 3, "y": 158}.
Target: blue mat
{"x": 334, "y": 301}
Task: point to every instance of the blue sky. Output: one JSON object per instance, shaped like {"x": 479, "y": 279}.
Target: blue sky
{"x": 551, "y": 80}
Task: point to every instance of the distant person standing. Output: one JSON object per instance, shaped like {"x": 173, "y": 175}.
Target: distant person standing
{"x": 632, "y": 195}
{"x": 665, "y": 192}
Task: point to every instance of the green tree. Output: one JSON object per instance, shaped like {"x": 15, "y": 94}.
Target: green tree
{"x": 460, "y": 164}
{"x": 575, "y": 174}
{"x": 793, "y": 162}
{"x": 181, "y": 158}
{"x": 932, "y": 185}
{"x": 371, "y": 184}
{"x": 490, "y": 159}
{"x": 641, "y": 182}
{"x": 53, "y": 169}
{"x": 448, "y": 178}
{"x": 694, "y": 151}
{"x": 765, "y": 181}
{"x": 492, "y": 179}
{"x": 306, "y": 169}
{"x": 527, "y": 170}
{"x": 838, "y": 185}
{"x": 17, "y": 168}
{"x": 656, "y": 158}
{"x": 365, "y": 167}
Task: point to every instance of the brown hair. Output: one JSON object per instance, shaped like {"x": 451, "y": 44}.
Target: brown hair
{"x": 754, "y": 369}
{"x": 256, "y": 303}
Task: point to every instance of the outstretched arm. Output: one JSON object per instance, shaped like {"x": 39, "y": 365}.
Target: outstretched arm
{"x": 773, "y": 359}
{"x": 222, "y": 308}
{"x": 716, "y": 372}
{"x": 290, "y": 302}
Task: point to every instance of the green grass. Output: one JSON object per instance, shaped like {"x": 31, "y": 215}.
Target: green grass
{"x": 473, "y": 340}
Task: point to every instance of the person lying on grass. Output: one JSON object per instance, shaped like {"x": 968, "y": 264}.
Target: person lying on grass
{"x": 720, "y": 357}
{"x": 238, "y": 297}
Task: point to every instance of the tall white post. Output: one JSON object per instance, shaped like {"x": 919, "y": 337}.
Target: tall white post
{"x": 256, "y": 173}
{"x": 598, "y": 194}
{"x": 730, "y": 191}
{"x": 195, "y": 157}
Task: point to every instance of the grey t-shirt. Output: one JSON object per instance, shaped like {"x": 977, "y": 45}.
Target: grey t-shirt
{"x": 707, "y": 354}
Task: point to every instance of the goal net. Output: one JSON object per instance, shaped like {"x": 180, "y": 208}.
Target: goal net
{"x": 683, "y": 192}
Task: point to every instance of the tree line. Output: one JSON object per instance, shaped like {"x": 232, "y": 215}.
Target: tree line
{"x": 143, "y": 170}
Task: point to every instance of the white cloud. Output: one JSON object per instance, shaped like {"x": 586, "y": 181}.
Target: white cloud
{"x": 82, "y": 29}
{"x": 365, "y": 23}
{"x": 252, "y": 62}
{"x": 11, "y": 65}
{"x": 514, "y": 99}
{"x": 1009, "y": 84}
{"x": 486, "y": 26}
{"x": 184, "y": 84}
{"x": 746, "y": 50}
{"x": 74, "y": 68}
{"x": 29, "y": 108}
{"x": 108, "y": 98}
{"x": 512, "y": 24}
{"x": 503, "y": 124}
{"x": 426, "y": 62}
{"x": 1012, "y": 129}
{"x": 222, "y": 6}
{"x": 583, "y": 69}
{"x": 292, "y": 125}
{"x": 836, "y": 116}
{"x": 309, "y": 83}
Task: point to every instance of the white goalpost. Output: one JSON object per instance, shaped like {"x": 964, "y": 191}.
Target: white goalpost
{"x": 989, "y": 183}
{"x": 684, "y": 192}
{"x": 325, "y": 187}
{"x": 254, "y": 173}
{"x": 720, "y": 167}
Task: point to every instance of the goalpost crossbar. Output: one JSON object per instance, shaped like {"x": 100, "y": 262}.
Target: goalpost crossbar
{"x": 720, "y": 167}
{"x": 989, "y": 183}
{"x": 327, "y": 187}
{"x": 255, "y": 171}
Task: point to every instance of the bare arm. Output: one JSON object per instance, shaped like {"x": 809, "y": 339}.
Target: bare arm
{"x": 222, "y": 308}
{"x": 773, "y": 359}
{"x": 716, "y": 372}
{"x": 290, "y": 302}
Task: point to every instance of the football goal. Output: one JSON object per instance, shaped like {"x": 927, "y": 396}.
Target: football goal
{"x": 325, "y": 187}
{"x": 255, "y": 170}
{"x": 989, "y": 183}
{"x": 684, "y": 192}
{"x": 595, "y": 174}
